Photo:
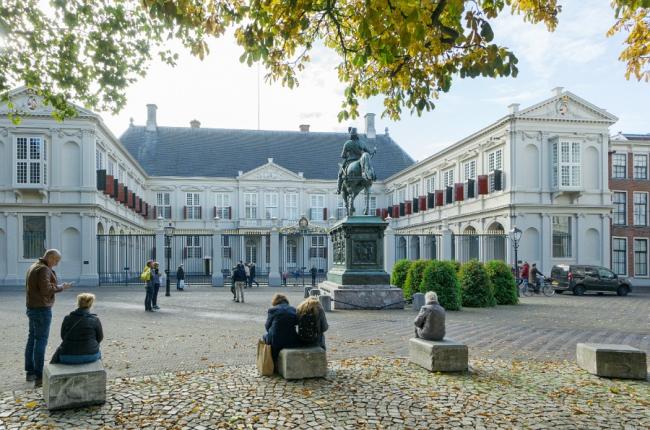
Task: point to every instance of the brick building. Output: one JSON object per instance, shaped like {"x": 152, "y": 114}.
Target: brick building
{"x": 629, "y": 182}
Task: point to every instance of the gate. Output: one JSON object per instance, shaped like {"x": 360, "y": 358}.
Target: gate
{"x": 247, "y": 248}
{"x": 121, "y": 257}
{"x": 194, "y": 252}
{"x": 300, "y": 254}
{"x": 417, "y": 246}
{"x": 483, "y": 247}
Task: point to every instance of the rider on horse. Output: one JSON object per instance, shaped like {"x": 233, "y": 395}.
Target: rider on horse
{"x": 353, "y": 150}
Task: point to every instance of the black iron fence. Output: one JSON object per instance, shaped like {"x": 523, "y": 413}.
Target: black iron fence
{"x": 194, "y": 252}
{"x": 417, "y": 246}
{"x": 303, "y": 258}
{"x": 253, "y": 250}
{"x": 121, "y": 258}
{"x": 483, "y": 247}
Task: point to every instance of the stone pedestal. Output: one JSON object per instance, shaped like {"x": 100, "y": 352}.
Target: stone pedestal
{"x": 301, "y": 363}
{"x": 325, "y": 302}
{"x": 71, "y": 386}
{"x": 439, "y": 356}
{"x": 418, "y": 301}
{"x": 357, "y": 279}
{"x": 612, "y": 361}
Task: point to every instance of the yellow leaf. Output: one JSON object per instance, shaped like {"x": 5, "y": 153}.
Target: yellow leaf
{"x": 31, "y": 405}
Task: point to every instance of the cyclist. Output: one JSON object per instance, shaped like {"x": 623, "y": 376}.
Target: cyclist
{"x": 523, "y": 275}
{"x": 533, "y": 274}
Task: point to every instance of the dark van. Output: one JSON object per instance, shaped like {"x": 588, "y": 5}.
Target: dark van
{"x": 582, "y": 278}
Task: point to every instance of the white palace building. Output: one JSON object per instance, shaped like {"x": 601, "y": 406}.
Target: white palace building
{"x": 110, "y": 203}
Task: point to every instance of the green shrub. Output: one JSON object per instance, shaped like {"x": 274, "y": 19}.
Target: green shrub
{"x": 414, "y": 278}
{"x": 456, "y": 265}
{"x": 477, "y": 291}
{"x": 398, "y": 276}
{"x": 503, "y": 282}
{"x": 440, "y": 276}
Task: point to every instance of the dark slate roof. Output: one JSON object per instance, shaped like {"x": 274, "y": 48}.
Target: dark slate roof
{"x": 213, "y": 152}
{"x": 631, "y": 136}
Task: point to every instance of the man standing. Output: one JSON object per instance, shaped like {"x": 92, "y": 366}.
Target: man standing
{"x": 247, "y": 270}
{"x": 313, "y": 272}
{"x": 252, "y": 276}
{"x": 239, "y": 279}
{"x": 41, "y": 286}
{"x": 180, "y": 276}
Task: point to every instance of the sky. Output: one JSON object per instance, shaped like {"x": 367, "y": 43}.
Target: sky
{"x": 221, "y": 92}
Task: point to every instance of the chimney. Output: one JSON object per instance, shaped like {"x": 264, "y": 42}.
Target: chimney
{"x": 195, "y": 123}
{"x": 304, "y": 128}
{"x": 151, "y": 117}
{"x": 557, "y": 91}
{"x": 513, "y": 108}
{"x": 370, "y": 126}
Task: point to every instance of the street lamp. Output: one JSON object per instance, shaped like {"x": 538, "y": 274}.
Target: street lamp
{"x": 169, "y": 233}
{"x": 515, "y": 235}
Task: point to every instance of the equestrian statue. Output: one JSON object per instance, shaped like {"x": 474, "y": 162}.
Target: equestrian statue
{"x": 356, "y": 172}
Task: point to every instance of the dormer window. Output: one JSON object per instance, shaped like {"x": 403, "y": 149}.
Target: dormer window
{"x": 31, "y": 162}
{"x": 567, "y": 172}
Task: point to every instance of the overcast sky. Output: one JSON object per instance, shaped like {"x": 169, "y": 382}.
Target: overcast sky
{"x": 220, "y": 92}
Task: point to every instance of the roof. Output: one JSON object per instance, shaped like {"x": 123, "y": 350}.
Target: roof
{"x": 213, "y": 152}
{"x": 632, "y": 136}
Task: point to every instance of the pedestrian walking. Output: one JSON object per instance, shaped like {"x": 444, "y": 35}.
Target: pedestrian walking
{"x": 239, "y": 281}
{"x": 247, "y": 270}
{"x": 156, "y": 285}
{"x": 41, "y": 285}
{"x": 180, "y": 276}
{"x": 285, "y": 275}
{"x": 252, "y": 276}
{"x": 313, "y": 272}
{"x": 147, "y": 277}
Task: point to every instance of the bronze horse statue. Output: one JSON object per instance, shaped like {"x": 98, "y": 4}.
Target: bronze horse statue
{"x": 356, "y": 173}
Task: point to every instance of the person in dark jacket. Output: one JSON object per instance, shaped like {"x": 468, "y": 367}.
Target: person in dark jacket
{"x": 533, "y": 274}
{"x": 281, "y": 326}
{"x": 312, "y": 310}
{"x": 313, "y": 272}
{"x": 252, "y": 277}
{"x": 430, "y": 322}
{"x": 239, "y": 281}
{"x": 82, "y": 333}
{"x": 155, "y": 275}
{"x": 180, "y": 276}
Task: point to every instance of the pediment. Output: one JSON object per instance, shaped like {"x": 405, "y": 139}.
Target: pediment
{"x": 567, "y": 106}
{"x": 26, "y": 103}
{"x": 270, "y": 172}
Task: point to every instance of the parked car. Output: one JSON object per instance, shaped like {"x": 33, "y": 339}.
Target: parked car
{"x": 582, "y": 278}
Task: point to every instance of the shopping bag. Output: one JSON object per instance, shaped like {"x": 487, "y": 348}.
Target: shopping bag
{"x": 264, "y": 359}
{"x": 181, "y": 284}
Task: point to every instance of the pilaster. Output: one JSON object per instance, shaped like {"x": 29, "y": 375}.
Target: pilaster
{"x": 274, "y": 270}
{"x": 217, "y": 262}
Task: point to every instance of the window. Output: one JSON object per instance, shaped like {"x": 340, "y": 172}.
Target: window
{"x": 163, "y": 205}
{"x": 270, "y": 205}
{"x": 251, "y": 250}
{"x": 640, "y": 208}
{"x": 619, "y": 166}
{"x": 401, "y": 195}
{"x": 448, "y": 178}
{"x": 430, "y": 183}
{"x": 292, "y": 253}
{"x": 34, "y": 234}
{"x": 250, "y": 205}
{"x": 619, "y": 255}
{"x": 372, "y": 207}
{"x": 640, "y": 166}
{"x": 415, "y": 190}
{"x": 566, "y": 164}
{"x": 99, "y": 159}
{"x": 225, "y": 246}
{"x": 193, "y": 247}
{"x": 291, "y": 206}
{"x": 31, "y": 161}
{"x": 222, "y": 203}
{"x": 640, "y": 257}
{"x": 317, "y": 203}
{"x": 470, "y": 170}
{"x": 318, "y": 248}
{"x": 618, "y": 213}
{"x": 193, "y": 206}
{"x": 340, "y": 209}
{"x": 111, "y": 167}
{"x": 494, "y": 160}
{"x": 561, "y": 237}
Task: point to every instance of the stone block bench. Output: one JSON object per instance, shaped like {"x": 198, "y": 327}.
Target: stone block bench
{"x": 612, "y": 361}
{"x": 301, "y": 363}
{"x": 439, "y": 356}
{"x": 74, "y": 385}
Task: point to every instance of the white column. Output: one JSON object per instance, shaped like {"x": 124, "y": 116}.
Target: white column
{"x": 54, "y": 235}
{"x": 160, "y": 247}
{"x": 422, "y": 243}
{"x": 409, "y": 254}
{"x": 89, "y": 272}
{"x": 605, "y": 251}
{"x": 447, "y": 245}
{"x": 262, "y": 259}
{"x": 577, "y": 240}
{"x": 546, "y": 241}
{"x": 242, "y": 249}
{"x": 330, "y": 252}
{"x": 13, "y": 250}
{"x": 389, "y": 249}
{"x": 274, "y": 270}
{"x": 217, "y": 263}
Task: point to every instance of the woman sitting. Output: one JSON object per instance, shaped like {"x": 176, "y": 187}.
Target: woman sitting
{"x": 312, "y": 323}
{"x": 82, "y": 333}
{"x": 281, "y": 326}
{"x": 430, "y": 322}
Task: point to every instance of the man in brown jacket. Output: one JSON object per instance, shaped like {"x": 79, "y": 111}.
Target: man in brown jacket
{"x": 41, "y": 285}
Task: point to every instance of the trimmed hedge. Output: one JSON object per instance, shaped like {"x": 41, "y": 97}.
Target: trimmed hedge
{"x": 398, "y": 275}
{"x": 414, "y": 278}
{"x": 440, "y": 276}
{"x": 477, "y": 290}
{"x": 503, "y": 282}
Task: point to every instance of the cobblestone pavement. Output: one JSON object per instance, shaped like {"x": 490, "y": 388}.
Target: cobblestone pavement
{"x": 358, "y": 393}
{"x": 203, "y": 327}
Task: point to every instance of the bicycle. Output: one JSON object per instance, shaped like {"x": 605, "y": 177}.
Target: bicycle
{"x": 547, "y": 289}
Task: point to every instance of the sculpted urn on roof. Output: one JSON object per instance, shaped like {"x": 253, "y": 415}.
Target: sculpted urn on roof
{"x": 356, "y": 172}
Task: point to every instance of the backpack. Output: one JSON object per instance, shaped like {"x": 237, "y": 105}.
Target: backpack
{"x": 146, "y": 274}
{"x": 309, "y": 328}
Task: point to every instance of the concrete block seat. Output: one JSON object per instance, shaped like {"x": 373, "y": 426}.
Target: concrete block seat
{"x": 439, "y": 356}
{"x": 74, "y": 385}
{"x": 612, "y": 361}
{"x": 302, "y": 363}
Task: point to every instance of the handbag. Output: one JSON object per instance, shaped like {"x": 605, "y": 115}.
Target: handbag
{"x": 264, "y": 359}
{"x": 181, "y": 284}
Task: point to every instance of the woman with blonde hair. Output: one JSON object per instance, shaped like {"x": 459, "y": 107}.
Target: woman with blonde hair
{"x": 312, "y": 323}
{"x": 81, "y": 333}
{"x": 280, "y": 325}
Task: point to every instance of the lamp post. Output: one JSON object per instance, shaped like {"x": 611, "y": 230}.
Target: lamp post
{"x": 169, "y": 233}
{"x": 515, "y": 235}
{"x": 303, "y": 226}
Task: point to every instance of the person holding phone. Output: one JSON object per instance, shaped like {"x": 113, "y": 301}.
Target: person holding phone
{"x": 41, "y": 285}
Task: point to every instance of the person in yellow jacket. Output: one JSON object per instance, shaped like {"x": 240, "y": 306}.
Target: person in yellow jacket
{"x": 147, "y": 277}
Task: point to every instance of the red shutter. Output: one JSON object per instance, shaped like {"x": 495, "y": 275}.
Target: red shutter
{"x": 459, "y": 195}
{"x": 423, "y": 203}
{"x": 409, "y": 208}
{"x": 440, "y": 198}
{"x": 384, "y": 213}
{"x": 229, "y": 212}
{"x": 395, "y": 211}
{"x": 324, "y": 214}
{"x": 184, "y": 212}
{"x": 120, "y": 192}
{"x": 483, "y": 184}
{"x": 214, "y": 211}
{"x": 154, "y": 213}
{"x": 110, "y": 186}
{"x": 138, "y": 204}
{"x": 377, "y": 212}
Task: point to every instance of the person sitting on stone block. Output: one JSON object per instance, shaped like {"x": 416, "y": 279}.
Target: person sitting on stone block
{"x": 430, "y": 322}
{"x": 82, "y": 333}
{"x": 280, "y": 325}
{"x": 312, "y": 323}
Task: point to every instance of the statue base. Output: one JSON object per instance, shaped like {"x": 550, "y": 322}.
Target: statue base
{"x": 363, "y": 297}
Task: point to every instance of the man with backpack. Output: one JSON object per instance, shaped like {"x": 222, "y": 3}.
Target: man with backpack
{"x": 239, "y": 281}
